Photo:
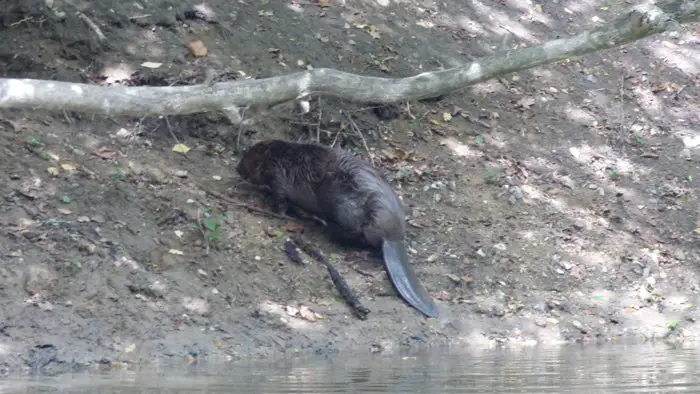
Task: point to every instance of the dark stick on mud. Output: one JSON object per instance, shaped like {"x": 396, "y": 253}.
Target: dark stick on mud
{"x": 350, "y": 298}
{"x": 291, "y": 250}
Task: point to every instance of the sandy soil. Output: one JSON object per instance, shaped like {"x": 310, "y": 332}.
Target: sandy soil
{"x": 556, "y": 205}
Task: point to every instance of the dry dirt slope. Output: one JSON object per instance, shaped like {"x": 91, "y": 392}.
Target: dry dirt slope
{"x": 556, "y": 204}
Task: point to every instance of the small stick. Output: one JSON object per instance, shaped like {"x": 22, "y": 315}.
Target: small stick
{"x": 320, "y": 116}
{"x": 357, "y": 130}
{"x": 92, "y": 25}
{"x": 204, "y": 234}
{"x": 350, "y": 298}
{"x": 292, "y": 252}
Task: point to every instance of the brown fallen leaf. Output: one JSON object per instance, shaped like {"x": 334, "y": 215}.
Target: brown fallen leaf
{"x": 443, "y": 296}
{"x": 525, "y": 103}
{"x": 667, "y": 87}
{"x": 105, "y": 153}
{"x": 293, "y": 227}
{"x": 307, "y": 314}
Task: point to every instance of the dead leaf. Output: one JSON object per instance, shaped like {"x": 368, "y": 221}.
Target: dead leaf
{"x": 525, "y": 103}
{"x": 68, "y": 167}
{"x": 457, "y": 147}
{"x": 176, "y": 252}
{"x": 151, "y": 64}
{"x": 105, "y": 153}
{"x": 293, "y": 227}
{"x": 291, "y": 311}
{"x": 53, "y": 171}
{"x": 64, "y": 211}
{"x": 668, "y": 87}
{"x": 446, "y": 116}
{"x": 443, "y": 296}
{"x": 307, "y": 314}
{"x": 181, "y": 148}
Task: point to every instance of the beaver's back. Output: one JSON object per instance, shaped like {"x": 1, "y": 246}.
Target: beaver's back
{"x": 329, "y": 183}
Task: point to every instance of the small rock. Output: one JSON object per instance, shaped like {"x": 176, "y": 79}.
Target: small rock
{"x": 39, "y": 280}
{"x": 181, "y": 173}
{"x": 577, "y": 325}
{"x": 83, "y": 219}
{"x": 593, "y": 186}
{"x": 432, "y": 258}
{"x": 500, "y": 246}
{"x": 566, "y": 265}
{"x": 680, "y": 255}
{"x": 98, "y": 219}
{"x": 541, "y": 322}
{"x": 197, "y": 305}
{"x": 197, "y": 48}
{"x": 87, "y": 247}
{"x": 157, "y": 176}
{"x": 516, "y": 192}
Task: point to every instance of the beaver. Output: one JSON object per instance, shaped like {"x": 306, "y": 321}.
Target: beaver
{"x": 354, "y": 199}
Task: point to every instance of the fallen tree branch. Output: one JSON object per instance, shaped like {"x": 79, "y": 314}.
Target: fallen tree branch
{"x": 639, "y": 22}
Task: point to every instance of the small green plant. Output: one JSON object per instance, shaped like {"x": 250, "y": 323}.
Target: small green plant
{"x": 35, "y": 145}
{"x": 209, "y": 224}
{"x": 34, "y": 142}
{"x": 479, "y": 139}
{"x": 332, "y": 259}
{"x": 613, "y": 174}
{"x": 119, "y": 173}
{"x": 66, "y": 199}
{"x": 212, "y": 229}
{"x": 673, "y": 326}
{"x": 491, "y": 178}
{"x": 72, "y": 266}
{"x": 638, "y": 140}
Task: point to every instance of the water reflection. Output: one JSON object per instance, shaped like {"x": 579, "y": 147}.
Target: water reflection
{"x": 608, "y": 369}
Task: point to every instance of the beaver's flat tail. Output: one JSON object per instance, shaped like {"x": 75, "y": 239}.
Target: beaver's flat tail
{"x": 405, "y": 280}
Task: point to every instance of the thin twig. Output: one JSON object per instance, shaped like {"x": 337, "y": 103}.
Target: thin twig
{"x": 408, "y": 110}
{"x": 170, "y": 129}
{"x": 19, "y": 22}
{"x": 335, "y": 139}
{"x": 204, "y": 234}
{"x": 240, "y": 130}
{"x": 357, "y": 130}
{"x": 318, "y": 127}
{"x": 92, "y": 25}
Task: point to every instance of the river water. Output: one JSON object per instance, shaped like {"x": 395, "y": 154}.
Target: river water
{"x": 570, "y": 369}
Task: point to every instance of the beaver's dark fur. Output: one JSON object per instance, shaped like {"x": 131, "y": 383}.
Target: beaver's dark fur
{"x": 350, "y": 194}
